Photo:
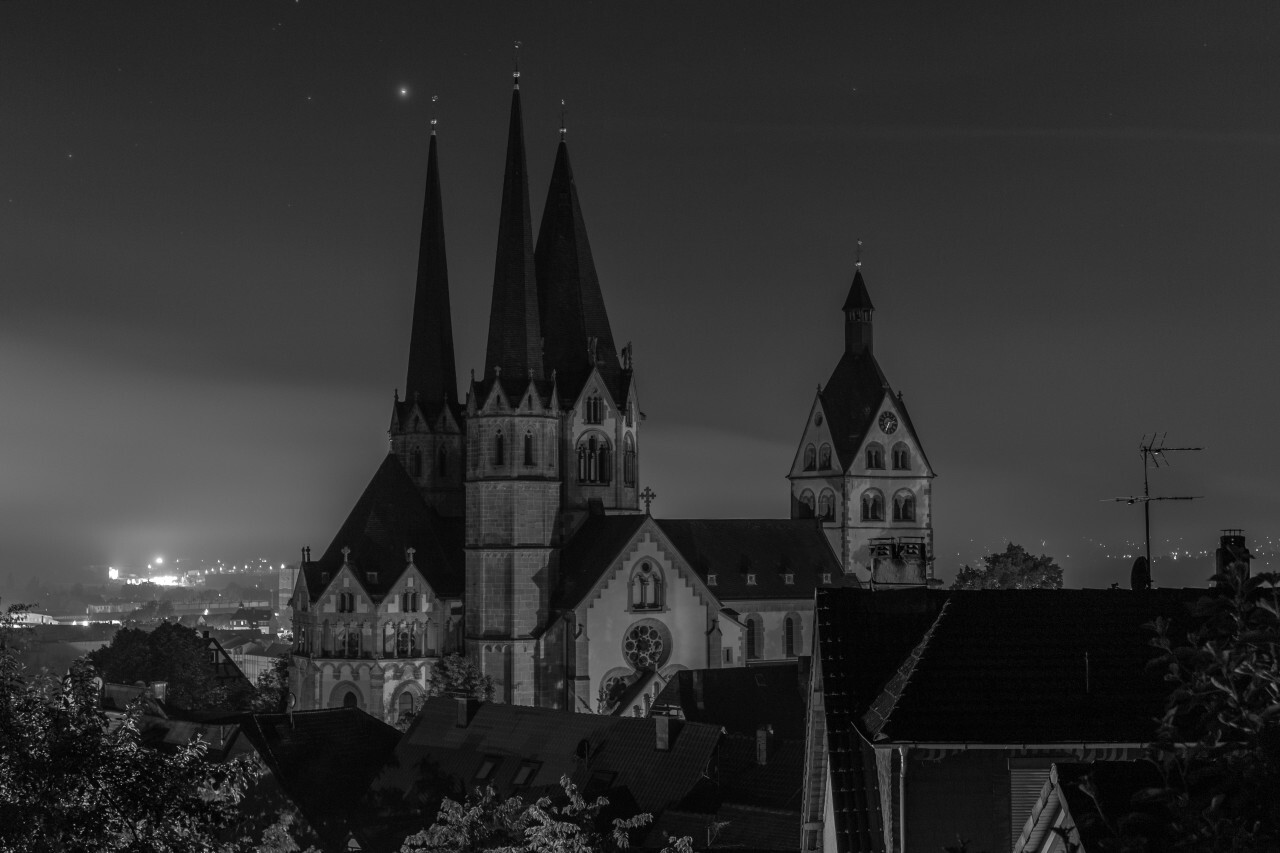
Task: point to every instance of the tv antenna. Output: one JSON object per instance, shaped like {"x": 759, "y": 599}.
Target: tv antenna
{"x": 1153, "y": 450}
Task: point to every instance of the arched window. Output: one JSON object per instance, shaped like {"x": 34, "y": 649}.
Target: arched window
{"x": 409, "y": 602}
{"x": 901, "y": 457}
{"x": 415, "y": 464}
{"x": 904, "y": 506}
{"x": 792, "y": 629}
{"x": 346, "y": 602}
{"x": 827, "y": 505}
{"x": 499, "y": 449}
{"x": 442, "y": 462}
{"x": 646, "y": 588}
{"x": 755, "y": 638}
{"x": 351, "y": 700}
{"x": 824, "y": 457}
{"x": 402, "y": 642}
{"x": 628, "y": 460}
{"x": 595, "y": 461}
{"x": 806, "y": 504}
{"x": 810, "y": 457}
{"x": 353, "y": 642}
{"x": 528, "y": 448}
{"x": 875, "y": 456}
{"x": 593, "y": 411}
{"x": 872, "y": 505}
{"x": 406, "y": 704}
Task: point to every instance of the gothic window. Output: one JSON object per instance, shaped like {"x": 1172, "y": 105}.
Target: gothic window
{"x": 353, "y": 642}
{"x": 528, "y": 448}
{"x": 629, "y": 460}
{"x": 827, "y": 505}
{"x": 499, "y": 449}
{"x": 442, "y": 462}
{"x": 755, "y": 637}
{"x": 824, "y": 457}
{"x": 595, "y": 461}
{"x": 415, "y": 464}
{"x": 791, "y": 628}
{"x": 872, "y": 505}
{"x": 904, "y": 506}
{"x": 593, "y": 411}
{"x": 302, "y": 642}
{"x": 646, "y": 588}
{"x": 901, "y": 457}
{"x": 409, "y": 602}
{"x": 810, "y": 457}
{"x": 346, "y": 602}
{"x": 806, "y": 504}
{"x": 875, "y": 456}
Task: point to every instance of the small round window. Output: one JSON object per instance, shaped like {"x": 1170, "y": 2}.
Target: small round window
{"x": 647, "y": 645}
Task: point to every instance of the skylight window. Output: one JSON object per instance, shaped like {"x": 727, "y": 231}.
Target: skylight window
{"x": 524, "y": 775}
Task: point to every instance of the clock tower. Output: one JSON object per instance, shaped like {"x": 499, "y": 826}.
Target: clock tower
{"x": 860, "y": 468}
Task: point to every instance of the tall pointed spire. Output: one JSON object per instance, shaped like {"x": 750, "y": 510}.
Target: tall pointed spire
{"x": 575, "y": 325}
{"x": 433, "y": 376}
{"x": 857, "y": 310}
{"x": 515, "y": 343}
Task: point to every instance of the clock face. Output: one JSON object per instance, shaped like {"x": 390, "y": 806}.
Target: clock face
{"x": 888, "y": 423}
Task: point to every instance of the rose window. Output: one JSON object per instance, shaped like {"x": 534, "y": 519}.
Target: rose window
{"x": 647, "y": 645}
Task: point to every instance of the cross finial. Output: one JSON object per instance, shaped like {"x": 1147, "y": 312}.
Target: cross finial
{"x": 857, "y": 262}
{"x": 346, "y": 552}
{"x": 563, "y": 127}
{"x": 648, "y": 496}
{"x": 408, "y": 554}
{"x": 434, "y": 100}
{"x": 515, "y": 74}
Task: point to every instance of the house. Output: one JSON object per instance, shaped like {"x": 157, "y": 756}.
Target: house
{"x": 938, "y": 715}
{"x": 1081, "y": 806}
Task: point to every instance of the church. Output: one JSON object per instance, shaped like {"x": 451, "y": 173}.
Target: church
{"x": 506, "y": 524}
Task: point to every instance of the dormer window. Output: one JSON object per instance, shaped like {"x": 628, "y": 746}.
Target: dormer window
{"x": 826, "y": 577}
{"x": 373, "y": 577}
{"x": 751, "y": 580}
{"x": 789, "y": 579}
{"x": 711, "y": 580}
{"x": 324, "y": 577}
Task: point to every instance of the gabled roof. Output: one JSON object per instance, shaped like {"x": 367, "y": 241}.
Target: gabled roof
{"x": 603, "y": 755}
{"x": 390, "y": 517}
{"x": 432, "y": 377}
{"x": 570, "y": 304}
{"x": 858, "y": 296}
{"x": 515, "y": 333}
{"x": 765, "y": 548}
{"x": 852, "y": 398}
{"x": 591, "y": 551}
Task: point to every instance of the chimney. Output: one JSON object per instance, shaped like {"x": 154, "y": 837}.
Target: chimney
{"x": 698, "y": 696}
{"x": 1232, "y": 550}
{"x": 662, "y": 725}
{"x": 762, "y": 744}
{"x": 466, "y": 710}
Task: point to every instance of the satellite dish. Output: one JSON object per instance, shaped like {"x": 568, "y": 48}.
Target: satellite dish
{"x": 291, "y": 701}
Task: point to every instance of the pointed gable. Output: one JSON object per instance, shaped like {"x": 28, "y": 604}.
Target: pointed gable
{"x": 390, "y": 517}
{"x": 433, "y": 377}
{"x": 515, "y": 344}
{"x": 575, "y": 325}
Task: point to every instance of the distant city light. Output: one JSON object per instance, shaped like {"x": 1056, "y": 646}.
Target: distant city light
{"x": 159, "y": 561}
{"x": 113, "y": 573}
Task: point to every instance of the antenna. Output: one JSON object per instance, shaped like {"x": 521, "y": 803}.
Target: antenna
{"x": 1153, "y": 452}
{"x": 563, "y": 126}
{"x": 857, "y": 258}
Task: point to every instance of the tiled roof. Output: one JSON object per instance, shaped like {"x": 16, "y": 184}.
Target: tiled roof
{"x": 743, "y": 829}
{"x": 323, "y": 759}
{"x": 570, "y": 304}
{"x": 432, "y": 377}
{"x": 515, "y": 334}
{"x": 614, "y": 756}
{"x": 390, "y": 517}
{"x": 742, "y": 699}
{"x": 764, "y": 549}
{"x": 851, "y": 398}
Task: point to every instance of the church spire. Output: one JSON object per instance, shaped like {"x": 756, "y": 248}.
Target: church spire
{"x": 514, "y": 334}
{"x": 575, "y": 325}
{"x": 433, "y": 377}
{"x": 857, "y": 315}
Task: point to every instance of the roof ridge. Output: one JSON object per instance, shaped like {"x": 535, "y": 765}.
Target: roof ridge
{"x": 878, "y": 714}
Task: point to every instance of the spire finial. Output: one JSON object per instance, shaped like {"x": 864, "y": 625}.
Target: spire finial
{"x": 563, "y": 127}
{"x": 434, "y": 100}
{"x": 857, "y": 262}
{"x": 515, "y": 74}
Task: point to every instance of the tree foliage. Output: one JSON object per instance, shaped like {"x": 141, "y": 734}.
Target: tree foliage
{"x": 455, "y": 675}
{"x": 272, "y": 690}
{"x": 1014, "y": 568}
{"x": 173, "y": 654}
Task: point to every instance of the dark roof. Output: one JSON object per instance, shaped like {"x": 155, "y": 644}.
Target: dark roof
{"x": 570, "y": 304}
{"x": 851, "y": 398}
{"x": 732, "y": 827}
{"x": 732, "y": 549}
{"x": 858, "y": 296}
{"x": 515, "y": 335}
{"x": 613, "y": 756}
{"x": 390, "y": 517}
{"x": 742, "y": 699}
{"x": 323, "y": 759}
{"x": 590, "y": 552}
{"x": 514, "y": 388}
{"x": 432, "y": 377}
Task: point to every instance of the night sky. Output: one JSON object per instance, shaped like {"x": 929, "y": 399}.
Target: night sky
{"x": 208, "y": 235}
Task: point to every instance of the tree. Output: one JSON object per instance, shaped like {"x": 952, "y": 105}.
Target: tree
{"x": 485, "y": 823}
{"x": 173, "y": 654}
{"x": 455, "y": 675}
{"x": 272, "y": 690}
{"x": 1012, "y": 569}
